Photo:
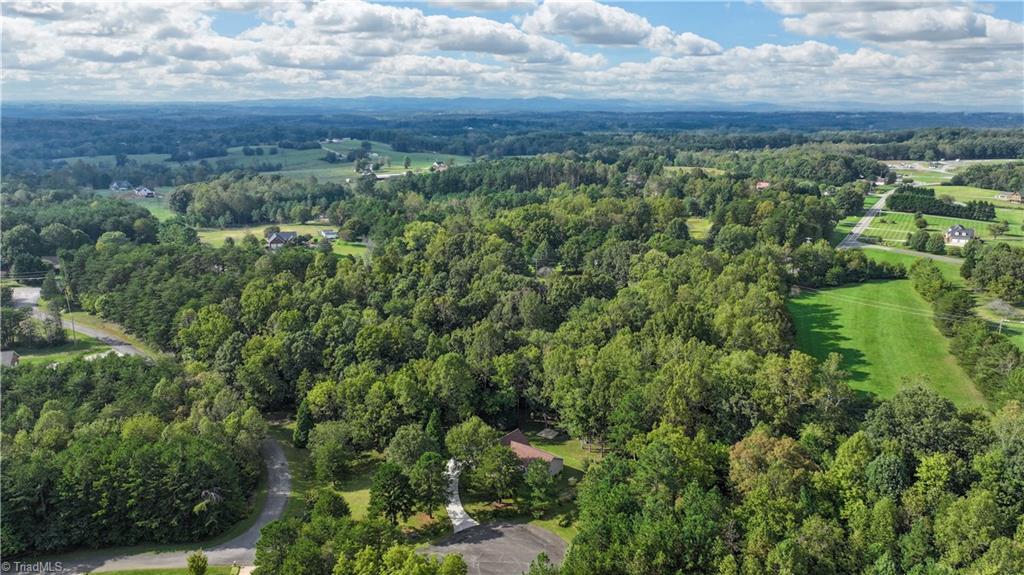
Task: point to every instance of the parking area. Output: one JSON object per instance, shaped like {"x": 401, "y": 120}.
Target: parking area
{"x": 501, "y": 548}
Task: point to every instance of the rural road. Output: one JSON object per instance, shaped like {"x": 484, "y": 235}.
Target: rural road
{"x": 29, "y": 297}
{"x": 853, "y": 239}
{"x": 240, "y": 550}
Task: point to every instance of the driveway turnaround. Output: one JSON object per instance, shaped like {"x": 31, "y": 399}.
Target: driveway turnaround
{"x": 240, "y": 550}
{"x": 460, "y": 519}
{"x": 500, "y": 548}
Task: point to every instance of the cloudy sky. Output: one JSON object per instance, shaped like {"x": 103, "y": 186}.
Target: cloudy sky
{"x": 884, "y": 53}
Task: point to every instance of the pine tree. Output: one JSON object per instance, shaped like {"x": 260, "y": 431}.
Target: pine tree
{"x": 303, "y": 423}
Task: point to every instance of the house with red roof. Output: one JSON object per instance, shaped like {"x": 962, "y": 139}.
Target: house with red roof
{"x": 527, "y": 453}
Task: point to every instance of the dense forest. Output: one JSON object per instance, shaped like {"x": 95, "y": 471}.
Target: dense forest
{"x": 118, "y": 452}
{"x": 570, "y": 288}
{"x": 1006, "y": 177}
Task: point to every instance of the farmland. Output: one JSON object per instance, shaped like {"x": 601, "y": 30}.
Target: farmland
{"x": 302, "y": 163}
{"x": 907, "y": 351}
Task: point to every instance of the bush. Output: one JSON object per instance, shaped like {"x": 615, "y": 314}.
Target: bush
{"x": 197, "y": 563}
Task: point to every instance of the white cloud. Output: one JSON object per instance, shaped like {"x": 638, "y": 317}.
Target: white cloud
{"x": 589, "y": 22}
{"x": 944, "y": 25}
{"x": 484, "y": 5}
{"x": 163, "y": 50}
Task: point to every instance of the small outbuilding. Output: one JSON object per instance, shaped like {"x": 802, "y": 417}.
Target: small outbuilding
{"x": 527, "y": 453}
{"x": 9, "y": 358}
{"x": 329, "y": 234}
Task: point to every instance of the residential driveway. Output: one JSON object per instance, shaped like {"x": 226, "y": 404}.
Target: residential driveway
{"x": 501, "y": 548}
{"x": 241, "y": 549}
{"x": 459, "y": 518}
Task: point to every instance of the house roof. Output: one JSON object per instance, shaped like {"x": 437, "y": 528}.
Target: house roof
{"x": 8, "y": 357}
{"x": 523, "y": 450}
{"x": 959, "y": 230}
{"x": 283, "y": 237}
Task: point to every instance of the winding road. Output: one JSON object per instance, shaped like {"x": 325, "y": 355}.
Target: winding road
{"x": 29, "y": 297}
{"x": 240, "y": 550}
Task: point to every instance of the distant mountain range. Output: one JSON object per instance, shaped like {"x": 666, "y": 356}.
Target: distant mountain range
{"x": 470, "y": 105}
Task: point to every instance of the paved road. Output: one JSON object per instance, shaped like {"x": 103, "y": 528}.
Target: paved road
{"x": 460, "y": 519}
{"x": 853, "y": 239}
{"x": 501, "y": 548}
{"x": 241, "y": 549}
{"x": 29, "y": 297}
{"x": 936, "y": 257}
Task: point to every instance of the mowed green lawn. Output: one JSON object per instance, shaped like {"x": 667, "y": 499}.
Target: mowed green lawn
{"x": 949, "y": 271}
{"x": 893, "y": 227}
{"x": 885, "y": 334}
{"x": 217, "y": 237}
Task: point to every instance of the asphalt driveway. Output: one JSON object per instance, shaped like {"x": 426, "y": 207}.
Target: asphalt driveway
{"x": 501, "y": 548}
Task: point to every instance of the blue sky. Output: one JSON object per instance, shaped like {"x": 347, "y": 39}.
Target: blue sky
{"x": 881, "y": 54}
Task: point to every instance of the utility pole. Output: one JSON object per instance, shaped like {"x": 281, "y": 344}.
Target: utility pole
{"x": 67, "y": 299}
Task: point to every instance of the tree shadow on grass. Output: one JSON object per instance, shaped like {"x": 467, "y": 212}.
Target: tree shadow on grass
{"x": 819, "y": 334}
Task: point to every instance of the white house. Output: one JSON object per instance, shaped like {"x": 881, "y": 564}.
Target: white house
{"x": 958, "y": 235}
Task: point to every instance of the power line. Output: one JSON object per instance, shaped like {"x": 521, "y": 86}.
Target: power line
{"x": 886, "y": 306}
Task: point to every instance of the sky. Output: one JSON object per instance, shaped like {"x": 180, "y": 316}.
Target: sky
{"x": 872, "y": 53}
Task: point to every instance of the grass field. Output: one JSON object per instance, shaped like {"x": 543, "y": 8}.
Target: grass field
{"x": 949, "y": 271}
{"x": 216, "y": 237}
{"x": 893, "y": 227}
{"x": 76, "y": 346}
{"x": 885, "y": 335}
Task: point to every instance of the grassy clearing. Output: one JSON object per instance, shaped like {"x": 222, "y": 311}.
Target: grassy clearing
{"x": 355, "y": 489}
{"x": 76, "y": 346}
{"x": 699, "y": 227}
{"x": 217, "y": 237}
{"x": 88, "y": 320}
{"x": 688, "y": 169}
{"x": 885, "y": 335}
